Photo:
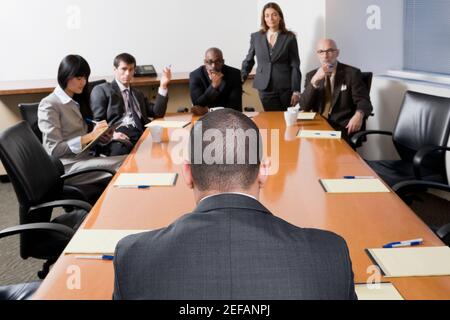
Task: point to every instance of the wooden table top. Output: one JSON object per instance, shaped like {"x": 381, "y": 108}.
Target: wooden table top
{"x": 293, "y": 194}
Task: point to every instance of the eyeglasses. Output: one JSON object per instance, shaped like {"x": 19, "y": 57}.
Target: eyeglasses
{"x": 211, "y": 62}
{"x": 326, "y": 51}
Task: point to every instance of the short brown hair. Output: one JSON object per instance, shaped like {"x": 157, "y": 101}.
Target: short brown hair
{"x": 124, "y": 57}
{"x": 221, "y": 175}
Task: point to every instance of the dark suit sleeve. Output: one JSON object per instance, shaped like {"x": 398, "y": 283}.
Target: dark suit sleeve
{"x": 296, "y": 75}
{"x": 200, "y": 97}
{"x": 360, "y": 94}
{"x": 249, "y": 61}
{"x": 117, "y": 257}
{"x": 309, "y": 99}
{"x": 157, "y": 109}
{"x": 235, "y": 98}
{"x": 99, "y": 103}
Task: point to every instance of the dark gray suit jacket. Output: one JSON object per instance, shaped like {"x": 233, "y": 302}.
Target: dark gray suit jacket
{"x": 281, "y": 68}
{"x": 232, "y": 247}
{"x": 349, "y": 94}
{"x": 107, "y": 103}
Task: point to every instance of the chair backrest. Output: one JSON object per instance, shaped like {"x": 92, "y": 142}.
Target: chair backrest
{"x": 92, "y": 84}
{"x": 31, "y": 170}
{"x": 423, "y": 120}
{"x": 29, "y": 113}
{"x": 367, "y": 79}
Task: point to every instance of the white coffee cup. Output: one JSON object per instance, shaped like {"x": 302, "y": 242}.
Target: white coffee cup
{"x": 156, "y": 133}
{"x": 290, "y": 118}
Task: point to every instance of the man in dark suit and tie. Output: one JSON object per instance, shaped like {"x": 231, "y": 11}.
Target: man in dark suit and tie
{"x": 215, "y": 84}
{"x": 231, "y": 246}
{"x": 336, "y": 91}
{"x": 120, "y": 104}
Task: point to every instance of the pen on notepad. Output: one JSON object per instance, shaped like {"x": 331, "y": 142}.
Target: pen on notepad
{"x": 99, "y": 257}
{"x": 406, "y": 243}
{"x": 91, "y": 121}
{"x": 320, "y": 133}
{"x": 134, "y": 187}
{"x": 359, "y": 177}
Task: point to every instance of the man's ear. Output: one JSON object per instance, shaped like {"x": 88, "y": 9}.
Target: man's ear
{"x": 187, "y": 174}
{"x": 263, "y": 174}
{"x": 337, "y": 52}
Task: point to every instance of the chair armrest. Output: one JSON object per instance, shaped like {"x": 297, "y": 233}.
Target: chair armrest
{"x": 77, "y": 173}
{"x": 52, "y": 227}
{"x": 421, "y": 155}
{"x": 356, "y": 138}
{"x": 444, "y": 231}
{"x": 405, "y": 186}
{"x": 62, "y": 203}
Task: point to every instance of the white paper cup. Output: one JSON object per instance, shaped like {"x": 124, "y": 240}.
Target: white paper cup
{"x": 156, "y": 133}
{"x": 290, "y": 118}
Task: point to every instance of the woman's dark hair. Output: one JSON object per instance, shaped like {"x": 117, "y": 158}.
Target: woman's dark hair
{"x": 73, "y": 66}
{"x": 276, "y": 7}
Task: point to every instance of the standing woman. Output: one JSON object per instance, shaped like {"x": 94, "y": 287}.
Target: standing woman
{"x": 62, "y": 119}
{"x": 278, "y": 74}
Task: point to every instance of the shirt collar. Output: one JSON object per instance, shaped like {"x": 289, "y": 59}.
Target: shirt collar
{"x": 240, "y": 193}
{"x": 121, "y": 86}
{"x": 63, "y": 96}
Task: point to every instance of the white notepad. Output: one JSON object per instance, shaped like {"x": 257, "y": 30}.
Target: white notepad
{"x": 306, "y": 115}
{"x": 412, "y": 262}
{"x": 353, "y": 185}
{"x": 168, "y": 124}
{"x": 380, "y": 291}
{"x": 92, "y": 241}
{"x": 145, "y": 179}
{"x": 319, "y": 134}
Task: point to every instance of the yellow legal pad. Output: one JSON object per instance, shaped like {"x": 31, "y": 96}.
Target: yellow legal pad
{"x": 353, "y": 185}
{"x": 93, "y": 241}
{"x": 319, "y": 134}
{"x": 378, "y": 291}
{"x": 412, "y": 262}
{"x": 168, "y": 124}
{"x": 145, "y": 179}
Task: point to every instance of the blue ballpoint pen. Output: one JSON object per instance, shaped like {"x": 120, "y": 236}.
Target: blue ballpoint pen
{"x": 134, "y": 187}
{"x": 358, "y": 177}
{"x": 99, "y": 257}
{"x": 406, "y": 243}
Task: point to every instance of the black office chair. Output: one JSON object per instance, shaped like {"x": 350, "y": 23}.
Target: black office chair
{"x": 418, "y": 191}
{"x": 92, "y": 84}
{"x": 39, "y": 189}
{"x": 25, "y": 291}
{"x": 29, "y": 111}
{"x": 420, "y": 137}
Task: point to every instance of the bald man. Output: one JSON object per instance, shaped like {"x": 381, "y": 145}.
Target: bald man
{"x": 215, "y": 84}
{"x": 336, "y": 91}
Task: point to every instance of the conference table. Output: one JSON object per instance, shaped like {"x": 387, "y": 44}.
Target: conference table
{"x": 293, "y": 193}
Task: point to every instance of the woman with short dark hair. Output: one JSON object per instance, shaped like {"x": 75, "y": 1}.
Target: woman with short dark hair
{"x": 63, "y": 117}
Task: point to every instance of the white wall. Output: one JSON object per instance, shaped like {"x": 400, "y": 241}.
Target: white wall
{"x": 376, "y": 48}
{"x": 36, "y": 35}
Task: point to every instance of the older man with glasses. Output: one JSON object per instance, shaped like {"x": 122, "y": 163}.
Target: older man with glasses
{"x": 215, "y": 84}
{"x": 336, "y": 91}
